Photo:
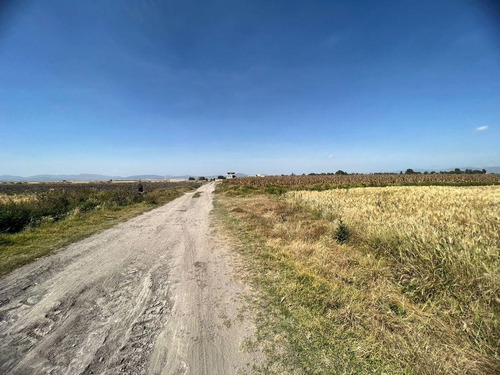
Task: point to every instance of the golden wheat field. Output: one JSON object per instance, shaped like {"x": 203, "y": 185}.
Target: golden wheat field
{"x": 447, "y": 234}
{"x": 445, "y": 242}
{"x": 459, "y": 221}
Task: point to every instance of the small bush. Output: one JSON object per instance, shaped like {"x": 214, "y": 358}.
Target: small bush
{"x": 247, "y": 189}
{"x": 14, "y": 217}
{"x": 88, "y": 206}
{"x": 151, "y": 198}
{"x": 54, "y": 203}
{"x": 277, "y": 190}
{"x": 342, "y": 233}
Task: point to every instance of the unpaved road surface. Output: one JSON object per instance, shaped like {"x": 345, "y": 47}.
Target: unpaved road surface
{"x": 153, "y": 295}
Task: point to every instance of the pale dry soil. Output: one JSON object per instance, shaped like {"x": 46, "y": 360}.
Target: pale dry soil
{"x": 155, "y": 295}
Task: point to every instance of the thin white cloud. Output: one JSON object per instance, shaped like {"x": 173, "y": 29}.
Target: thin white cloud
{"x": 481, "y": 128}
{"x": 330, "y": 156}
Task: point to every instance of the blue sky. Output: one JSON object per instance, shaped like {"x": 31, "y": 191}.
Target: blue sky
{"x": 203, "y": 87}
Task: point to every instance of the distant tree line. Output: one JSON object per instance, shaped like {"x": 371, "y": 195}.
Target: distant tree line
{"x": 455, "y": 171}
{"x": 339, "y": 172}
{"x": 408, "y": 171}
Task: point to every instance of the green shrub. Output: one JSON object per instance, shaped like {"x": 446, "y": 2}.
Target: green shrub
{"x": 88, "y": 206}
{"x": 247, "y": 188}
{"x": 342, "y": 233}
{"x": 14, "y": 217}
{"x": 276, "y": 190}
{"x": 54, "y": 203}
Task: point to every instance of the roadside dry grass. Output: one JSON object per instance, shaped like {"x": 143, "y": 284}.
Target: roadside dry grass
{"x": 17, "y": 249}
{"x": 16, "y": 198}
{"x": 378, "y": 303}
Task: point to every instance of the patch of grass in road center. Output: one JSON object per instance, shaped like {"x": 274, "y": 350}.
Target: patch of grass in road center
{"x": 197, "y": 194}
{"x": 20, "y": 248}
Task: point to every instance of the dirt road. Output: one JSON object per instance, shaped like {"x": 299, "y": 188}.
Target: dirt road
{"x": 154, "y": 295}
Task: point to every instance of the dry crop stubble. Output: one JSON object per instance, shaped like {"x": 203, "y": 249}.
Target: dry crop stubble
{"x": 325, "y": 182}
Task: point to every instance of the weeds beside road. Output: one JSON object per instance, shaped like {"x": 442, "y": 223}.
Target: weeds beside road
{"x": 36, "y": 219}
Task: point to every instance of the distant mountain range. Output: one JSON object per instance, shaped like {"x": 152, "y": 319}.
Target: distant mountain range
{"x": 145, "y": 177}
{"x": 96, "y": 177}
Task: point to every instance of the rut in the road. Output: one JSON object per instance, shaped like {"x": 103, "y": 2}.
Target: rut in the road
{"x": 154, "y": 295}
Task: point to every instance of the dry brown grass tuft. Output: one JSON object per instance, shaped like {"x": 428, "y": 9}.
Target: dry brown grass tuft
{"x": 17, "y": 198}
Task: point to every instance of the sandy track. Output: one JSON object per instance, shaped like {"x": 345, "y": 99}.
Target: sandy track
{"x": 154, "y": 295}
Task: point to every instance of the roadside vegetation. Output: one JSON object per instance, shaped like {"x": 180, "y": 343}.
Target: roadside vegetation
{"x": 36, "y": 219}
{"x": 396, "y": 280}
